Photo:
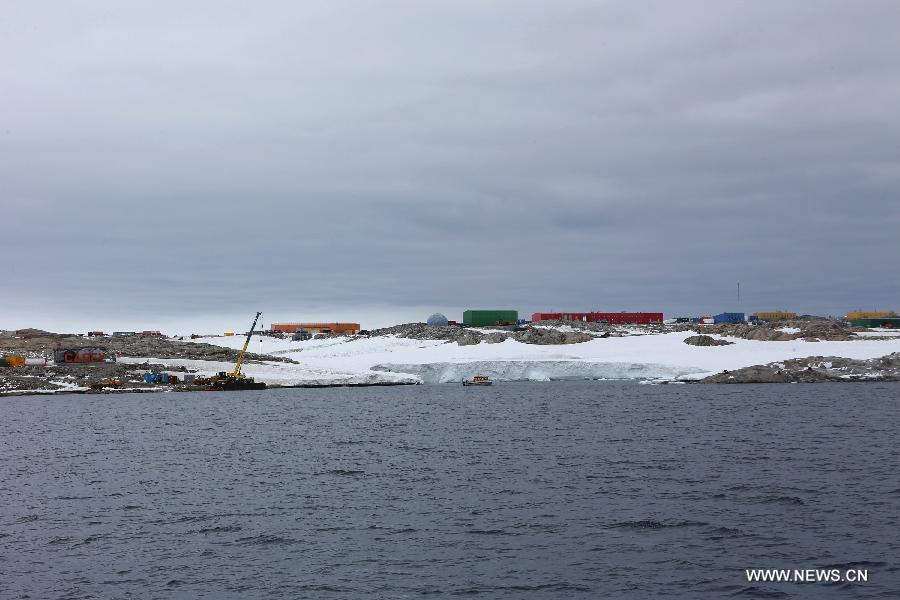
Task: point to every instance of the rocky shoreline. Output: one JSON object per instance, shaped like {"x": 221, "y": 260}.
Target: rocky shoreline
{"x": 814, "y": 369}
{"x": 94, "y": 378}
{"x": 108, "y": 377}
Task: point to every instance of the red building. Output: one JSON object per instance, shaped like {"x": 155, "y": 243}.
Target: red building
{"x": 80, "y": 355}
{"x": 618, "y": 318}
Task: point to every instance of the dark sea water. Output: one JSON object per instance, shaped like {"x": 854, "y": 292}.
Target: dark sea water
{"x": 559, "y": 490}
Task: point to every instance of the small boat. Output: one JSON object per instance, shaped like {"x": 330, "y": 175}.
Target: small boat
{"x": 478, "y": 380}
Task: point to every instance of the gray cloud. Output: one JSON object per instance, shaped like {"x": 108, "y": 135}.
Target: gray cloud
{"x": 378, "y": 159}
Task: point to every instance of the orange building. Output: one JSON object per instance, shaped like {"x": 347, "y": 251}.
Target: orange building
{"x": 338, "y": 328}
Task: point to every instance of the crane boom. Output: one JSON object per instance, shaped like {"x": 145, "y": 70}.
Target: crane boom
{"x": 240, "y": 358}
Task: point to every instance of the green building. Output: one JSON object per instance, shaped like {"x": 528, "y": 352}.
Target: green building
{"x": 889, "y": 322}
{"x": 488, "y": 318}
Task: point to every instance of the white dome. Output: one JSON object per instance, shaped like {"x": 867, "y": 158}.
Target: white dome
{"x": 437, "y": 320}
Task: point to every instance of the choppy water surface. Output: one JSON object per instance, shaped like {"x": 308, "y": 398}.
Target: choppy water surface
{"x": 559, "y": 490}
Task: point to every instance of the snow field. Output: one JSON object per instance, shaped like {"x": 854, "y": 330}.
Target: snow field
{"x": 390, "y": 359}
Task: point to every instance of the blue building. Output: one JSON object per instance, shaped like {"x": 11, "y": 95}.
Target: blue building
{"x": 729, "y": 317}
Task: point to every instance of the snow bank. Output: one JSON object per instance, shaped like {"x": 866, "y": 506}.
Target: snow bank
{"x": 879, "y": 333}
{"x": 789, "y": 329}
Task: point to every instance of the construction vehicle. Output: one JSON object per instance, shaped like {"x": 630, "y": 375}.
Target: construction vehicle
{"x": 235, "y": 380}
{"x": 109, "y": 382}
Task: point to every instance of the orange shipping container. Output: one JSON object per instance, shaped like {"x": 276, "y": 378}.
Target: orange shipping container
{"x": 15, "y": 361}
{"x": 338, "y": 328}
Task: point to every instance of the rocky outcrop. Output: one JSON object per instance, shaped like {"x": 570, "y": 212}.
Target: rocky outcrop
{"x": 814, "y": 370}
{"x": 705, "y": 340}
{"x": 592, "y": 327}
{"x": 811, "y": 329}
{"x": 543, "y": 336}
{"x": 421, "y": 331}
{"x": 34, "y": 342}
{"x": 465, "y": 336}
{"x": 763, "y": 334}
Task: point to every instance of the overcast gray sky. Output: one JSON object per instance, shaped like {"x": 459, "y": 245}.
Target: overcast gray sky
{"x": 181, "y": 165}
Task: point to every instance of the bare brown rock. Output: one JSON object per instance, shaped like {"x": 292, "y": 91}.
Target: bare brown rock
{"x": 705, "y": 340}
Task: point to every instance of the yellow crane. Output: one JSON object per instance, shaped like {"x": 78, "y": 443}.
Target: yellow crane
{"x": 240, "y": 359}
{"x": 225, "y": 381}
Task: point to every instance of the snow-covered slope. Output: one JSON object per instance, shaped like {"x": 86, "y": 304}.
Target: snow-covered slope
{"x": 387, "y": 358}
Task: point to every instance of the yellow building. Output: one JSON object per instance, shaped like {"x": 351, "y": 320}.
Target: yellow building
{"x": 875, "y": 314}
{"x": 774, "y": 315}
